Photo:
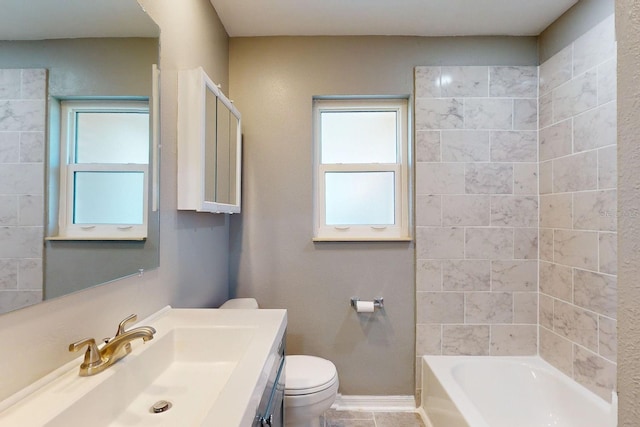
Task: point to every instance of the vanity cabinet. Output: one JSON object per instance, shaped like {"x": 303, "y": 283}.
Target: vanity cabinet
{"x": 209, "y": 146}
{"x": 221, "y": 368}
{"x": 271, "y": 408}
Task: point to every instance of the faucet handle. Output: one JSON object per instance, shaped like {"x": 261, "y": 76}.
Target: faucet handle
{"x": 92, "y": 356}
{"x": 128, "y": 319}
{"x": 121, "y": 330}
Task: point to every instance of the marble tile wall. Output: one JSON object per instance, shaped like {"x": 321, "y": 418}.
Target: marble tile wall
{"x": 577, "y": 143}
{"x": 476, "y": 210}
{"x": 22, "y": 153}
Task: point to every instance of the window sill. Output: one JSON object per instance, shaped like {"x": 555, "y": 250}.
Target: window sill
{"x": 362, "y": 239}
{"x": 102, "y": 238}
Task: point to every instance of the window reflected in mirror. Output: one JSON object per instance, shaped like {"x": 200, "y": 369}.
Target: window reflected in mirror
{"x": 104, "y": 166}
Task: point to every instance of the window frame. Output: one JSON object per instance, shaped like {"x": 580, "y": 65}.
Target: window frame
{"x": 67, "y": 230}
{"x": 400, "y": 231}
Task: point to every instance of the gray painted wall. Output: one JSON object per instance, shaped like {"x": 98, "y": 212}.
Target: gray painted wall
{"x": 583, "y": 16}
{"x": 103, "y": 66}
{"x": 195, "y": 244}
{"x": 628, "y": 35}
{"x": 273, "y": 258}
{"x": 193, "y": 268}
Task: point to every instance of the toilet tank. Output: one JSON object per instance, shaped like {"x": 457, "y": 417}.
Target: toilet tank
{"x": 240, "y": 303}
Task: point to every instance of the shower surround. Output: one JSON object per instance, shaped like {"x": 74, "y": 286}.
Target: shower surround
{"x": 22, "y": 153}
{"x": 578, "y": 213}
{"x": 493, "y": 182}
{"x": 476, "y": 210}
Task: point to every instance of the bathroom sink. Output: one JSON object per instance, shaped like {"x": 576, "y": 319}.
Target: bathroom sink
{"x": 186, "y": 367}
{"x": 207, "y": 364}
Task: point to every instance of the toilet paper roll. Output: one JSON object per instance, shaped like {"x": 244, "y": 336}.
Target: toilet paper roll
{"x": 364, "y": 306}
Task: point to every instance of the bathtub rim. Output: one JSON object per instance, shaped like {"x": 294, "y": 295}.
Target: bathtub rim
{"x": 441, "y": 367}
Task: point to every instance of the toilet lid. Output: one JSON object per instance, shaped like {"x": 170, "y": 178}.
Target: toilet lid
{"x": 308, "y": 374}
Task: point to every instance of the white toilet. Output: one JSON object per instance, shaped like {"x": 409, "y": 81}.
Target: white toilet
{"x": 311, "y": 383}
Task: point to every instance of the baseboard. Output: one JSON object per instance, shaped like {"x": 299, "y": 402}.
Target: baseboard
{"x": 375, "y": 403}
{"x": 425, "y": 418}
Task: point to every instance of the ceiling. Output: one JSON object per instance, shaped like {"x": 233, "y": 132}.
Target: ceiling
{"x": 53, "y": 19}
{"x": 40, "y": 19}
{"x": 388, "y": 17}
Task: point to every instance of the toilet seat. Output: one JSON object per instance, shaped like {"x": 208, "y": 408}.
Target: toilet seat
{"x": 308, "y": 374}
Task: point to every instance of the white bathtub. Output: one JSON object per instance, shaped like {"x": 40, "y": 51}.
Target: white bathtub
{"x": 486, "y": 391}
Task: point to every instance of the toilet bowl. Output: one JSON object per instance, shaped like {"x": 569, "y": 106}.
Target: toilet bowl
{"x": 311, "y": 383}
{"x": 311, "y": 387}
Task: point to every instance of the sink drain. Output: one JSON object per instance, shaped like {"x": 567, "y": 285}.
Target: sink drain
{"x": 160, "y": 406}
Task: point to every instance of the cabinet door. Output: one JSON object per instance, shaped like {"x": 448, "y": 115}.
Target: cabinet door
{"x": 211, "y": 159}
{"x": 234, "y": 160}
{"x": 209, "y": 146}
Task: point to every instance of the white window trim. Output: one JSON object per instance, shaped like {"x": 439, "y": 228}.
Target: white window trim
{"x": 67, "y": 230}
{"x": 369, "y": 232}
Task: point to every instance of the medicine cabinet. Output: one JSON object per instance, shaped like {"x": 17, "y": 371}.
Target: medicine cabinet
{"x": 209, "y": 146}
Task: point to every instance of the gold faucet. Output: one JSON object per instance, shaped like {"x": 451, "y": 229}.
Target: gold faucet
{"x": 97, "y": 359}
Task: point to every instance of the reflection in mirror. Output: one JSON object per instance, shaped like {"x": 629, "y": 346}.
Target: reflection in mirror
{"x": 222, "y": 157}
{"x": 210, "y": 159}
{"x": 227, "y": 159}
{"x": 104, "y": 169}
{"x": 53, "y": 51}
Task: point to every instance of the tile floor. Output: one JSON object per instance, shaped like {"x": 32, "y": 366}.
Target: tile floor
{"x": 334, "y": 418}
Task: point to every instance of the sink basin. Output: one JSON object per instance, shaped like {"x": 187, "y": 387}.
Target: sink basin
{"x": 209, "y": 364}
{"x": 186, "y": 366}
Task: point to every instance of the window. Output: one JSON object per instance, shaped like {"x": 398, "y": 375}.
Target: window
{"x": 104, "y": 160}
{"x": 361, "y": 169}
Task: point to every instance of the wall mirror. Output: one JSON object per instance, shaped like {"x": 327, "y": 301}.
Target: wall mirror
{"x": 227, "y": 163}
{"x": 52, "y": 52}
{"x": 209, "y": 146}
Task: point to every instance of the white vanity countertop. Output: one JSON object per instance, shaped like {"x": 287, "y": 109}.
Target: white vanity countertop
{"x": 237, "y": 404}
{"x": 242, "y": 344}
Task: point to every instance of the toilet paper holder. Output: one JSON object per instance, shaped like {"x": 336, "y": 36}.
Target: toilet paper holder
{"x": 377, "y": 302}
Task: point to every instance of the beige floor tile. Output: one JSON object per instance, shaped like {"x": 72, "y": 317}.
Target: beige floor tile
{"x": 398, "y": 419}
{"x": 350, "y": 423}
{"x": 334, "y": 418}
{"x": 333, "y": 414}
